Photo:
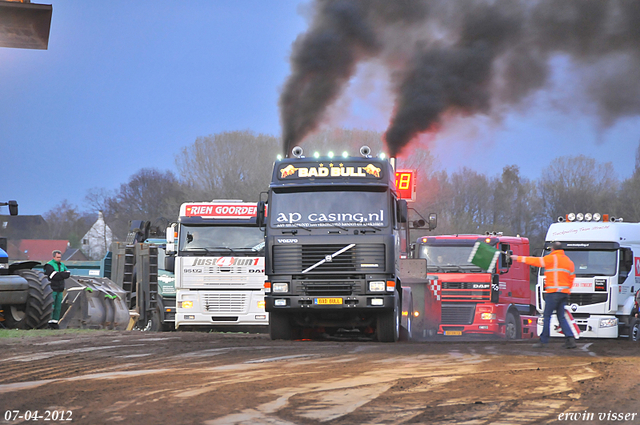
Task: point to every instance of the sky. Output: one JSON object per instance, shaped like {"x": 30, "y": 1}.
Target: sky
{"x": 126, "y": 85}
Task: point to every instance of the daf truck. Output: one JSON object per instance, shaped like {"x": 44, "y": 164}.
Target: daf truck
{"x": 606, "y": 255}
{"x": 475, "y": 301}
{"x": 216, "y": 250}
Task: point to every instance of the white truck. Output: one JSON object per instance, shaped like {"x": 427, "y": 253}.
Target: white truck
{"x": 217, "y": 251}
{"x": 606, "y": 255}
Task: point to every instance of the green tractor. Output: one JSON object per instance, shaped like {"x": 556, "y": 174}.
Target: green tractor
{"x": 26, "y": 298}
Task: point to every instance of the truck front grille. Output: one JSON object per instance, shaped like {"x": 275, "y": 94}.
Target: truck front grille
{"x": 294, "y": 259}
{"x": 225, "y": 303}
{"x": 584, "y": 299}
{"x": 458, "y": 314}
{"x": 465, "y": 291}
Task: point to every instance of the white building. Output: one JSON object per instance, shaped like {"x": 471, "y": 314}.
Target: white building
{"x": 96, "y": 242}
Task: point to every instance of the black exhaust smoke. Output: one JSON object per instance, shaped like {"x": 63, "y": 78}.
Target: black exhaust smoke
{"x": 464, "y": 57}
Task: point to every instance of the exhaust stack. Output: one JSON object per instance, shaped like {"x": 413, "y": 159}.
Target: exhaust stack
{"x": 25, "y": 25}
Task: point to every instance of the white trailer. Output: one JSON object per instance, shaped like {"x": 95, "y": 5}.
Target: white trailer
{"x": 606, "y": 255}
{"x": 218, "y": 252}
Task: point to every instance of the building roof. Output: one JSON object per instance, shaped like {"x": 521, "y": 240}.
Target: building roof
{"x": 41, "y": 249}
{"x": 73, "y": 254}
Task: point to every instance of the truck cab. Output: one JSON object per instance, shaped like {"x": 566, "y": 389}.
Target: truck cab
{"x": 606, "y": 256}
{"x": 217, "y": 251}
{"x": 333, "y": 239}
{"x": 475, "y": 301}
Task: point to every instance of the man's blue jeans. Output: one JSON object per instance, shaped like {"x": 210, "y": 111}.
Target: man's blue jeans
{"x": 555, "y": 301}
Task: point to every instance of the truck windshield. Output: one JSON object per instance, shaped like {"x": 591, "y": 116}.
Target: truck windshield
{"x": 442, "y": 257}
{"x": 593, "y": 263}
{"x": 221, "y": 239}
{"x": 329, "y": 209}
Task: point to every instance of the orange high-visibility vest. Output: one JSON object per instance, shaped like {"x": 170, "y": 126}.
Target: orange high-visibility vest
{"x": 559, "y": 271}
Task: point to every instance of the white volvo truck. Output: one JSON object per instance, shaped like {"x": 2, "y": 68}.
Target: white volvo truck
{"x": 606, "y": 255}
{"x": 217, "y": 251}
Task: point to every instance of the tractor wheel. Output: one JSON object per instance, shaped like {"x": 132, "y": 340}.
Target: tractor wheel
{"x": 279, "y": 325}
{"x": 36, "y": 313}
{"x": 512, "y": 328}
{"x": 388, "y": 326}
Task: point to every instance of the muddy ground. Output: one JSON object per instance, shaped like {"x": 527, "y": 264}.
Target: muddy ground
{"x": 208, "y": 378}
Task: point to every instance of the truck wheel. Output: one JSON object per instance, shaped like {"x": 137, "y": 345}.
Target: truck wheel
{"x": 36, "y": 313}
{"x": 388, "y": 326}
{"x": 512, "y": 328}
{"x": 405, "y": 332}
{"x": 279, "y": 325}
{"x": 634, "y": 330}
{"x": 153, "y": 324}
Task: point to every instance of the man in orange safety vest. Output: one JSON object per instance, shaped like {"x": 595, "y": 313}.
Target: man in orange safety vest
{"x": 559, "y": 274}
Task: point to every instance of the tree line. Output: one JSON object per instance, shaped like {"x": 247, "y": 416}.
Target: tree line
{"x": 238, "y": 165}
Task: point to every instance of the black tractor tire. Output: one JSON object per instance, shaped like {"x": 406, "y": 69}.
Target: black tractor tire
{"x": 36, "y": 313}
{"x": 388, "y": 324}
{"x": 512, "y": 330}
{"x": 634, "y": 330}
{"x": 280, "y": 325}
{"x": 406, "y": 333}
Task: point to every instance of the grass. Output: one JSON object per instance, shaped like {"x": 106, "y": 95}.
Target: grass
{"x": 18, "y": 333}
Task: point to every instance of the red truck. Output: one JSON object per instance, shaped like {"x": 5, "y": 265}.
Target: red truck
{"x": 475, "y": 301}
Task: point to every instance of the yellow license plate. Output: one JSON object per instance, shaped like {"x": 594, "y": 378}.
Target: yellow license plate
{"x": 328, "y": 301}
{"x": 453, "y": 332}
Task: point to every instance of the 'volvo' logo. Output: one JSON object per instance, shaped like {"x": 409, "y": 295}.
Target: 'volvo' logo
{"x": 287, "y": 241}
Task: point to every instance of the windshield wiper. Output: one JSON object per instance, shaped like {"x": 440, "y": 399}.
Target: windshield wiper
{"x": 373, "y": 227}
{"x": 293, "y": 232}
{"x": 334, "y": 225}
{"x": 470, "y": 268}
{"x": 217, "y": 248}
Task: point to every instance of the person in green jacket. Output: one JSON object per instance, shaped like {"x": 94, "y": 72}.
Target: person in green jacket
{"x": 57, "y": 272}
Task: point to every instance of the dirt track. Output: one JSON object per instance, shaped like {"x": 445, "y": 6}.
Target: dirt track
{"x": 200, "y": 378}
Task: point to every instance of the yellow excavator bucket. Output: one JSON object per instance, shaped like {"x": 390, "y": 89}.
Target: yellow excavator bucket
{"x": 24, "y": 25}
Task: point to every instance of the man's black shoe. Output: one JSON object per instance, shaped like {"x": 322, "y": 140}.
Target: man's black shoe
{"x": 570, "y": 343}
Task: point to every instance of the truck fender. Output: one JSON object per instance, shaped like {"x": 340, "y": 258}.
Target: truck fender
{"x": 628, "y": 305}
{"x": 23, "y": 265}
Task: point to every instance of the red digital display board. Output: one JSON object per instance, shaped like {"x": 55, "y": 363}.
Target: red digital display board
{"x": 406, "y": 184}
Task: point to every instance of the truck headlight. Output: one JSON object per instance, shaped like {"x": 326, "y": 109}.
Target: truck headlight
{"x": 609, "y": 322}
{"x": 488, "y": 316}
{"x": 4, "y": 265}
{"x": 280, "y": 287}
{"x": 377, "y": 286}
{"x": 186, "y": 304}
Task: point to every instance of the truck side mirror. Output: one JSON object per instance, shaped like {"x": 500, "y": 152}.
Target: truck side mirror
{"x": 403, "y": 211}
{"x": 13, "y": 207}
{"x": 433, "y": 221}
{"x": 170, "y": 263}
{"x": 261, "y": 216}
{"x": 170, "y": 234}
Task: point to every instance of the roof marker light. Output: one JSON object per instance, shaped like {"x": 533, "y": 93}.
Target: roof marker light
{"x": 571, "y": 217}
{"x": 382, "y": 156}
{"x": 330, "y": 154}
{"x": 279, "y": 157}
{"x": 316, "y": 154}
{"x": 588, "y": 216}
{"x": 345, "y": 154}
{"x": 579, "y": 216}
{"x": 597, "y": 216}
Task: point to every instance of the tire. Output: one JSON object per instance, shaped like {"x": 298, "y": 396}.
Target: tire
{"x": 406, "y": 334}
{"x": 388, "y": 326}
{"x": 36, "y": 313}
{"x": 512, "y": 329}
{"x": 634, "y": 330}
{"x": 279, "y": 325}
{"x": 153, "y": 324}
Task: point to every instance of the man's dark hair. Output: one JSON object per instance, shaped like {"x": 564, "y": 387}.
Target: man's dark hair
{"x": 556, "y": 245}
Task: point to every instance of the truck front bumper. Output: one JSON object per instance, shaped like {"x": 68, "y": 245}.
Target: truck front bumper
{"x": 301, "y": 303}
{"x": 589, "y": 327}
{"x": 192, "y": 318}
